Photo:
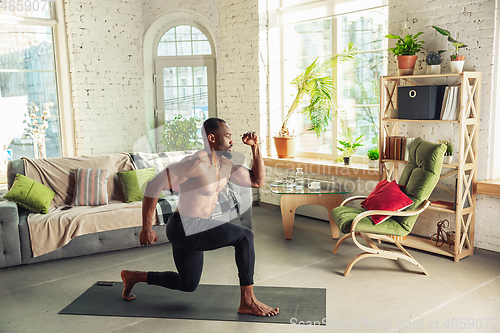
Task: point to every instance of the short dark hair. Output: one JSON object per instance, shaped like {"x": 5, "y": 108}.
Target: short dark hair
{"x": 211, "y": 125}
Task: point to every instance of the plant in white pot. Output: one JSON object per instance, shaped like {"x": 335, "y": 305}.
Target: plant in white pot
{"x": 405, "y": 50}
{"x": 433, "y": 61}
{"x": 448, "y": 155}
{"x": 372, "y": 157}
{"x": 457, "y": 60}
{"x": 315, "y": 82}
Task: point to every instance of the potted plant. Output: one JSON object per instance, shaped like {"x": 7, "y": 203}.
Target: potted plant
{"x": 372, "y": 157}
{"x": 405, "y": 50}
{"x": 433, "y": 61}
{"x": 348, "y": 148}
{"x": 316, "y": 83}
{"x": 448, "y": 155}
{"x": 457, "y": 60}
{"x": 180, "y": 134}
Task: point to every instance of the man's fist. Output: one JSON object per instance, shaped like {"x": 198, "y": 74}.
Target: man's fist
{"x": 250, "y": 138}
{"x": 148, "y": 237}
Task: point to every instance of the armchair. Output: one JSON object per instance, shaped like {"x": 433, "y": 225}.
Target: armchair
{"x": 419, "y": 177}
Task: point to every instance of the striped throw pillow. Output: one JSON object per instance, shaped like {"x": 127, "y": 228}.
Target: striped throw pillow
{"x": 91, "y": 187}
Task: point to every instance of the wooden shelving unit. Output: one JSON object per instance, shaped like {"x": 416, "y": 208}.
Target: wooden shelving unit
{"x": 465, "y": 169}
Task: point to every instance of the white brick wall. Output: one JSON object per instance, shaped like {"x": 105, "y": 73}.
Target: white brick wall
{"x": 238, "y": 68}
{"x": 104, "y": 39}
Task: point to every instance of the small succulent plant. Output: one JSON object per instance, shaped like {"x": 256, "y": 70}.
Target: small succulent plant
{"x": 433, "y": 58}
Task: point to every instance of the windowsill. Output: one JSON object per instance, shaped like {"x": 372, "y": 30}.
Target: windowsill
{"x": 489, "y": 187}
{"x": 325, "y": 167}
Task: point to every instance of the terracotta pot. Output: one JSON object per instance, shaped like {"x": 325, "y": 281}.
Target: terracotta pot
{"x": 285, "y": 146}
{"x": 406, "y": 64}
{"x": 460, "y": 57}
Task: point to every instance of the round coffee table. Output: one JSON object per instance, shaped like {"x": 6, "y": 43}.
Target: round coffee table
{"x": 329, "y": 195}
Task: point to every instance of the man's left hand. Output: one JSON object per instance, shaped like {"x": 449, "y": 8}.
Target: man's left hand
{"x": 250, "y": 138}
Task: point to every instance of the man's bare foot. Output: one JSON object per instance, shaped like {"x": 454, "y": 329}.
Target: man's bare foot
{"x": 250, "y": 305}
{"x": 130, "y": 278}
{"x": 258, "y": 308}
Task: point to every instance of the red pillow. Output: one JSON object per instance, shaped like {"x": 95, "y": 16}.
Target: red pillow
{"x": 387, "y": 197}
{"x": 377, "y": 188}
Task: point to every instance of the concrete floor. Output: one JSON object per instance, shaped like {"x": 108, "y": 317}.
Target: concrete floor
{"x": 378, "y": 296}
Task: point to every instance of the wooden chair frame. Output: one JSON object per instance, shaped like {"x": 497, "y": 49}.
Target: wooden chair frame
{"x": 373, "y": 250}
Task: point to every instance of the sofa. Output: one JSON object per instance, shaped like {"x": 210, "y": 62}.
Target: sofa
{"x": 57, "y": 173}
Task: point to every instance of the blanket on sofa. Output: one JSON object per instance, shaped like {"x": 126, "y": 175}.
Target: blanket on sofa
{"x": 48, "y": 232}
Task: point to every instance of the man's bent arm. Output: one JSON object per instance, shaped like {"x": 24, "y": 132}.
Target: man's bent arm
{"x": 258, "y": 171}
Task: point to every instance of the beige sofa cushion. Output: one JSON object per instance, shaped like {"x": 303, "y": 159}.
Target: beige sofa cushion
{"x": 56, "y": 173}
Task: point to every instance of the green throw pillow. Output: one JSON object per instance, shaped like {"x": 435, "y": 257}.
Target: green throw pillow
{"x": 30, "y": 194}
{"x": 134, "y": 183}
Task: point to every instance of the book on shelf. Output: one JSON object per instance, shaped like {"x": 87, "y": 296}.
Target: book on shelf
{"x": 451, "y": 105}
{"x": 396, "y": 147}
{"x": 443, "y": 204}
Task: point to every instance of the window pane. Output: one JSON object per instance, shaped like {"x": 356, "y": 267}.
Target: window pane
{"x": 169, "y": 36}
{"x": 17, "y": 129}
{"x": 304, "y": 43}
{"x": 183, "y": 40}
{"x": 28, "y": 8}
{"x": 200, "y": 76}
{"x": 184, "y": 48}
{"x": 198, "y": 35}
{"x": 26, "y": 47}
{"x": 167, "y": 49}
{"x": 185, "y": 76}
{"x": 202, "y": 47}
{"x": 183, "y": 33}
{"x": 27, "y": 83}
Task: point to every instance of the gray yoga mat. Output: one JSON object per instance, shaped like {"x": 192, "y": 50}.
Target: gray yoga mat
{"x": 208, "y": 302}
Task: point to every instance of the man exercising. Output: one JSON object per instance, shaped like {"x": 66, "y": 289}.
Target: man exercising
{"x": 191, "y": 230}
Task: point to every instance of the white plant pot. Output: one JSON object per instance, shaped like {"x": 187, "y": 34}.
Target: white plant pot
{"x": 372, "y": 163}
{"x": 447, "y": 159}
{"x": 433, "y": 69}
{"x": 457, "y": 66}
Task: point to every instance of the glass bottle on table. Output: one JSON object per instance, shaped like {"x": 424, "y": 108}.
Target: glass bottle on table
{"x": 299, "y": 179}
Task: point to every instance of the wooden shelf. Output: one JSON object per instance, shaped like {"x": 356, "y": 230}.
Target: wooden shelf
{"x": 466, "y": 168}
{"x": 419, "y": 120}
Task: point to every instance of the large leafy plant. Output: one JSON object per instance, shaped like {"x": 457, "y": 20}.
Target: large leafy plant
{"x": 409, "y": 45}
{"x": 181, "y": 134}
{"x": 456, "y": 44}
{"x": 316, "y": 82}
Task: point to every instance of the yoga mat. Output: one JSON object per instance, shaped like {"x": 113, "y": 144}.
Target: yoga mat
{"x": 208, "y": 302}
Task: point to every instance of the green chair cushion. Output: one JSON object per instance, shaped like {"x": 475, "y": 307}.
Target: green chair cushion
{"x": 344, "y": 215}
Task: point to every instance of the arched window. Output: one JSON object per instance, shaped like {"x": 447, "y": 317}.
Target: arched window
{"x": 184, "y": 74}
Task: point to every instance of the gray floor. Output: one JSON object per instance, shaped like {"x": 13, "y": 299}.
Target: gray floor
{"x": 378, "y": 296}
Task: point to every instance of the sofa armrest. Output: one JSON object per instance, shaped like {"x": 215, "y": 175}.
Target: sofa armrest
{"x": 10, "y": 247}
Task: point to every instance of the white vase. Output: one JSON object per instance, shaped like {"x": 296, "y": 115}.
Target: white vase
{"x": 372, "y": 163}
{"x": 447, "y": 159}
{"x": 457, "y": 66}
{"x": 433, "y": 69}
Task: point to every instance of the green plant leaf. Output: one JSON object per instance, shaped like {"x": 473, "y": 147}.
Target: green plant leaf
{"x": 442, "y": 31}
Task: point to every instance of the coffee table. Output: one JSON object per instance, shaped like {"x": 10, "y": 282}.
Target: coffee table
{"x": 328, "y": 196}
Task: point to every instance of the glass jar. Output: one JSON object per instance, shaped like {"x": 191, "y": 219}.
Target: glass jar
{"x": 299, "y": 179}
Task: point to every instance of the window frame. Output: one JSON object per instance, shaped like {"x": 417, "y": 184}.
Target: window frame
{"x": 208, "y": 60}
{"x": 62, "y": 71}
{"x": 281, "y": 22}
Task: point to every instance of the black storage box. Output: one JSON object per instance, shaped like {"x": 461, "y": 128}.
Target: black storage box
{"x": 420, "y": 102}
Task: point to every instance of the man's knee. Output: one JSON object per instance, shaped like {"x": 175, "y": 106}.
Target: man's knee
{"x": 189, "y": 287}
{"x": 248, "y": 234}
